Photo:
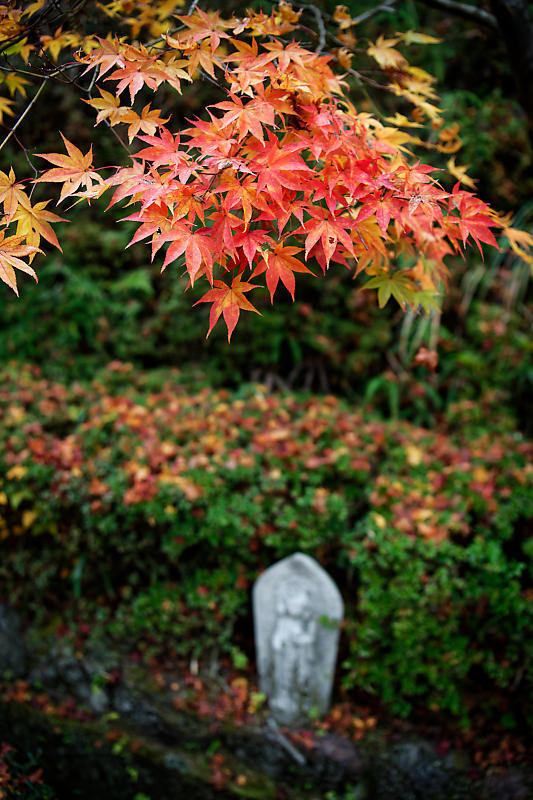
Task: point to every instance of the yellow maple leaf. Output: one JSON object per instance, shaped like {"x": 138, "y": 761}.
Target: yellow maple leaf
{"x": 460, "y": 173}
{"x": 342, "y": 17}
{"x": 16, "y": 472}
{"x": 108, "y": 107}
{"x": 400, "y": 121}
{"x": 34, "y": 222}
{"x": 28, "y": 518}
{"x": 33, "y": 7}
{"x": 413, "y": 37}
{"x": 15, "y": 83}
{"x": 60, "y": 41}
{"x": 5, "y": 108}
{"x": 520, "y": 242}
{"x": 384, "y": 53}
{"x": 148, "y": 121}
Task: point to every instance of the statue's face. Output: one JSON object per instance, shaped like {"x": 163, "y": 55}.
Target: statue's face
{"x": 297, "y": 603}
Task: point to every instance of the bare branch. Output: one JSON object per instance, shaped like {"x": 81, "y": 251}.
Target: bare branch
{"x": 371, "y": 82}
{"x": 515, "y": 26}
{"x": 320, "y": 25}
{"x": 466, "y": 11}
{"x": 387, "y": 6}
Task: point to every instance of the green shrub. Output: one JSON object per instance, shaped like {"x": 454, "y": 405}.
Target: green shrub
{"x": 148, "y": 511}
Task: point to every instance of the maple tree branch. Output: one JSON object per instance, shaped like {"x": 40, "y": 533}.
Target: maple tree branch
{"x": 371, "y": 82}
{"x": 320, "y": 25}
{"x": 28, "y": 159}
{"x": 387, "y": 6}
{"x": 513, "y": 21}
{"x": 43, "y": 17}
{"x": 118, "y": 137}
{"x": 21, "y": 71}
{"x": 466, "y": 11}
{"x": 515, "y": 25}
{"x": 24, "y": 113}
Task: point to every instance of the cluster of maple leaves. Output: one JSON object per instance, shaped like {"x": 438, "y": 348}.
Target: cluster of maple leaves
{"x": 284, "y": 176}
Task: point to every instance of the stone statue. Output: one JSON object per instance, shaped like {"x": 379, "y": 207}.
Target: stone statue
{"x": 293, "y": 645}
{"x": 297, "y": 612}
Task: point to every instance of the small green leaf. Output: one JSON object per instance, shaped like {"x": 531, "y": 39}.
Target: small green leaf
{"x": 398, "y": 285}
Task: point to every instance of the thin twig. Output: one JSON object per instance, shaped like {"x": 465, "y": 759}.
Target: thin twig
{"x": 370, "y": 81}
{"x": 22, "y": 71}
{"x": 118, "y": 137}
{"x": 320, "y": 25}
{"x": 284, "y": 742}
{"x": 24, "y": 113}
{"x": 28, "y": 159}
{"x": 192, "y": 7}
{"x": 387, "y": 6}
{"x": 96, "y": 74}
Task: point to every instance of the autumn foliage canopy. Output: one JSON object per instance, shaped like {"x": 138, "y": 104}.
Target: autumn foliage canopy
{"x": 284, "y": 176}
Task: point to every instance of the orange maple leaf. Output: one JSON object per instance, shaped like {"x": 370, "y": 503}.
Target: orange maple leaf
{"x": 228, "y": 300}
{"x": 109, "y": 54}
{"x": 73, "y": 170}
{"x": 11, "y": 193}
{"x": 10, "y": 251}
{"x": 148, "y": 121}
{"x": 203, "y": 24}
{"x": 249, "y": 118}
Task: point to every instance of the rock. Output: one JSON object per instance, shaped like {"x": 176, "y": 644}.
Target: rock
{"x": 175, "y": 762}
{"x": 513, "y": 784}
{"x": 412, "y": 770}
{"x": 13, "y": 652}
{"x": 340, "y": 751}
{"x": 99, "y": 701}
{"x": 123, "y": 700}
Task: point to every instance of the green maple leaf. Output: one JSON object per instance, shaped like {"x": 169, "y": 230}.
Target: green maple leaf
{"x": 399, "y": 286}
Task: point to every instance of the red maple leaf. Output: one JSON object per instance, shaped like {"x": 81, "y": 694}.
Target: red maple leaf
{"x": 279, "y": 166}
{"x": 251, "y": 242}
{"x": 247, "y": 118}
{"x": 280, "y": 263}
{"x": 473, "y": 219}
{"x": 165, "y": 150}
{"x": 195, "y": 245}
{"x": 330, "y": 230}
{"x": 228, "y": 301}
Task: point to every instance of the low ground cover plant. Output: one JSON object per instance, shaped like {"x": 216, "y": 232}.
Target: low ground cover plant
{"x": 147, "y": 511}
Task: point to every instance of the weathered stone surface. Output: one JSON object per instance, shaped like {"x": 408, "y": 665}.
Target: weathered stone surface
{"x": 297, "y": 613}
